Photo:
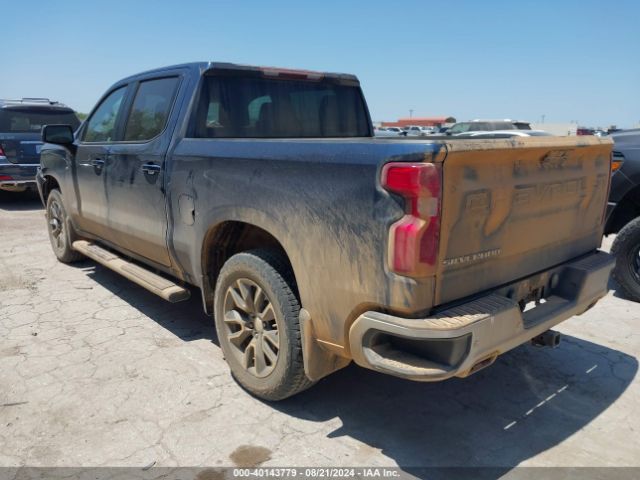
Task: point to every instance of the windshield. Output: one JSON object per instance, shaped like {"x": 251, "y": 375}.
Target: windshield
{"x": 32, "y": 120}
{"x": 238, "y": 106}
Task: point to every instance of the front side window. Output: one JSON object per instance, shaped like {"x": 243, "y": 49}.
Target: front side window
{"x": 245, "y": 106}
{"x": 150, "y": 109}
{"x": 101, "y": 127}
{"x": 460, "y": 128}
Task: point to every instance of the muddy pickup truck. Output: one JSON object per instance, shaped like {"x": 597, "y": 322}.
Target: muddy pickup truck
{"x": 313, "y": 243}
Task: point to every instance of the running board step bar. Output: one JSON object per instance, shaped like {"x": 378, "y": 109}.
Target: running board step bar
{"x": 151, "y": 281}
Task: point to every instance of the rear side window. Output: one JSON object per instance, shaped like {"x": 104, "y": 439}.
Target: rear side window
{"x": 502, "y": 126}
{"x": 150, "y": 109}
{"x": 101, "y": 127}
{"x": 236, "y": 106}
{"x": 32, "y": 119}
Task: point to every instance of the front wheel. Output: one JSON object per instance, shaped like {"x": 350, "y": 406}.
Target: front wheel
{"x": 61, "y": 234}
{"x": 626, "y": 248}
{"x": 256, "y": 316}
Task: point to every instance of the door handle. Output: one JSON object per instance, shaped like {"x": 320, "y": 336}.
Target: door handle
{"x": 92, "y": 162}
{"x": 150, "y": 168}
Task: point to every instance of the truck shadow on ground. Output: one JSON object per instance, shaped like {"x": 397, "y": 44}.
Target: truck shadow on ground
{"x": 530, "y": 400}
{"x": 617, "y": 290}
{"x": 186, "y": 319}
{"x": 20, "y": 201}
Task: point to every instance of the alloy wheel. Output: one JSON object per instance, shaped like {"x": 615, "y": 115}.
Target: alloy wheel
{"x": 56, "y": 225}
{"x": 251, "y": 327}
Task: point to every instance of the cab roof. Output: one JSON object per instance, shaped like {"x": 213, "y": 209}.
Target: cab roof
{"x": 225, "y": 67}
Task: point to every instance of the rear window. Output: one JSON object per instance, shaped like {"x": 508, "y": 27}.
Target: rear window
{"x": 237, "y": 106}
{"x": 32, "y": 120}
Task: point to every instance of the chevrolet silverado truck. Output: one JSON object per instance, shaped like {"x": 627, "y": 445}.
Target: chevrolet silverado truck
{"x": 313, "y": 243}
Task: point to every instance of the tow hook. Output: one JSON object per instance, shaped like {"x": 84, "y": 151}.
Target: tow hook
{"x": 549, "y": 338}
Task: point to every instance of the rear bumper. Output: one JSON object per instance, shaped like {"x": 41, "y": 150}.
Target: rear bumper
{"x": 465, "y": 338}
{"x": 20, "y": 176}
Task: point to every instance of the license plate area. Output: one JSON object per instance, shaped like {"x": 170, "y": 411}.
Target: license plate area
{"x": 532, "y": 300}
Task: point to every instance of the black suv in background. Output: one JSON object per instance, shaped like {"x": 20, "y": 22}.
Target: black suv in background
{"x": 623, "y": 211}
{"x": 21, "y": 122}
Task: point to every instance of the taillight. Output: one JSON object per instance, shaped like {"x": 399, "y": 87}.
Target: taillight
{"x": 617, "y": 159}
{"x": 414, "y": 239}
{"x": 2, "y": 154}
{"x": 5, "y": 178}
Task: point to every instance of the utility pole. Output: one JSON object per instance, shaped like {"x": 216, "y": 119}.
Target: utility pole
{"x": 543, "y": 118}
{"x": 410, "y": 113}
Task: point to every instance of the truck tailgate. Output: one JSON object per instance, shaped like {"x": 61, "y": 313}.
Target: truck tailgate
{"x": 514, "y": 207}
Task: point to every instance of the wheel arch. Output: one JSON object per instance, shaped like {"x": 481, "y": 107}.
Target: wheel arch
{"x": 50, "y": 183}
{"x": 225, "y": 239}
{"x": 626, "y": 210}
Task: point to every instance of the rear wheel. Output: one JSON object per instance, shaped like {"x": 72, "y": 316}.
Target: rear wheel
{"x": 256, "y": 316}
{"x": 626, "y": 248}
{"x": 61, "y": 234}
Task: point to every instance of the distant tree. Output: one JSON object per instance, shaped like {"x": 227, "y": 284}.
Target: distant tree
{"x": 82, "y": 116}
{"x": 450, "y": 120}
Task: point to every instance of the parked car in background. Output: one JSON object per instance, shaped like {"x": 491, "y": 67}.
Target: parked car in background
{"x": 384, "y": 132}
{"x": 314, "y": 244}
{"x": 419, "y": 131}
{"x": 623, "y": 211}
{"x": 585, "y": 131}
{"x": 518, "y": 124}
{"x": 505, "y": 134}
{"x": 487, "y": 125}
{"x": 396, "y": 130}
{"x": 21, "y": 122}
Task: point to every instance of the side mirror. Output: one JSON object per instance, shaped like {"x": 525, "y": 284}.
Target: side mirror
{"x": 58, "y": 134}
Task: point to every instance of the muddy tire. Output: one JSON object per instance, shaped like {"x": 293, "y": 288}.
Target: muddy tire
{"x": 256, "y": 316}
{"x": 61, "y": 233}
{"x": 626, "y": 248}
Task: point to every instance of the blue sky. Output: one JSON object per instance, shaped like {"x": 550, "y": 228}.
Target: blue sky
{"x": 567, "y": 60}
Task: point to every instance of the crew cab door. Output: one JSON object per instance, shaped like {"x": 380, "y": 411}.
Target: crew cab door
{"x": 135, "y": 174}
{"x": 92, "y": 155}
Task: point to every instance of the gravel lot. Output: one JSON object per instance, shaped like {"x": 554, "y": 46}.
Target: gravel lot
{"x": 95, "y": 371}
